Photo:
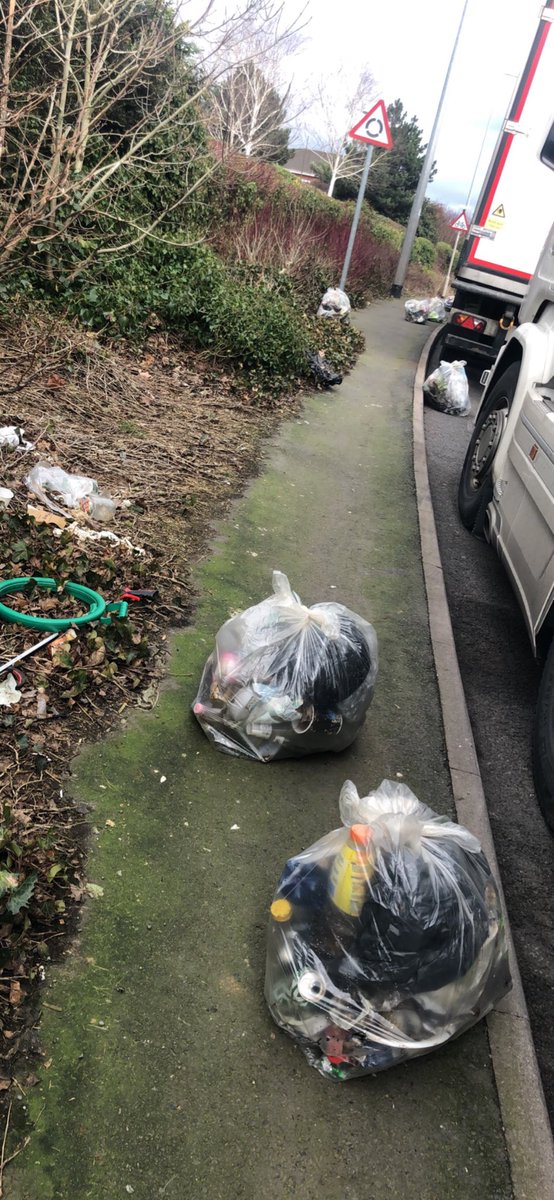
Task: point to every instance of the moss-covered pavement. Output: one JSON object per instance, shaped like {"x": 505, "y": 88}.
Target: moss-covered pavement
{"x": 167, "y": 1076}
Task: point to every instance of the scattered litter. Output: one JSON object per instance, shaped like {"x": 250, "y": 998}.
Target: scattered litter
{"x": 41, "y": 704}
{"x": 335, "y": 303}
{"x": 102, "y": 535}
{"x": 386, "y": 937}
{"x": 420, "y": 311}
{"x": 43, "y": 517}
{"x": 9, "y": 694}
{"x": 75, "y": 491}
{"x": 163, "y": 778}
{"x": 322, "y": 370}
{"x": 6, "y": 495}
{"x": 11, "y": 438}
{"x": 447, "y": 389}
{"x": 285, "y": 680}
{"x": 234, "y": 828}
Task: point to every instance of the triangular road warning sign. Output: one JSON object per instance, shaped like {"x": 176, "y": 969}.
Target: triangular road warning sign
{"x": 374, "y": 128}
{"x": 461, "y": 223}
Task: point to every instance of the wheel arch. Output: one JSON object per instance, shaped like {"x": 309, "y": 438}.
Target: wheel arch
{"x": 544, "y": 630}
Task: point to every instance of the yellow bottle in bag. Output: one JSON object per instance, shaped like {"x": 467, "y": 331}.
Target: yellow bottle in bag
{"x": 351, "y": 871}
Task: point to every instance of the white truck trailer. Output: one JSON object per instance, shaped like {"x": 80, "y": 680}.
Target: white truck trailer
{"x": 513, "y": 215}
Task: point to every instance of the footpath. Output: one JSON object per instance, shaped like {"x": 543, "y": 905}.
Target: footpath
{"x": 167, "y": 1076}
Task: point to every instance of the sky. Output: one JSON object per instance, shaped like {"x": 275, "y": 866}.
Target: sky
{"x": 407, "y": 46}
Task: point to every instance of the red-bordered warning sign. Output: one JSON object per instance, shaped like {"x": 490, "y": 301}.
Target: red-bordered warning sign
{"x": 461, "y": 223}
{"x": 374, "y": 128}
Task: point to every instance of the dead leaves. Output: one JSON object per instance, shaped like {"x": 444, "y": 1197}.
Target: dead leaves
{"x": 16, "y": 993}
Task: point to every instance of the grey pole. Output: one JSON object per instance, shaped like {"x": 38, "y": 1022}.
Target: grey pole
{"x": 356, "y": 217}
{"x": 450, "y": 265}
{"x": 405, "y": 253}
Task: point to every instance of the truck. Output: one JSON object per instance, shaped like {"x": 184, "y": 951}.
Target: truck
{"x": 511, "y": 220}
{"x": 506, "y": 488}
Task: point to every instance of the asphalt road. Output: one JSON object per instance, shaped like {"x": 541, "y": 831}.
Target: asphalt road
{"x": 501, "y": 681}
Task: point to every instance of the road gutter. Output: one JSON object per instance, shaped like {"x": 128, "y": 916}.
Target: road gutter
{"x": 522, "y": 1105}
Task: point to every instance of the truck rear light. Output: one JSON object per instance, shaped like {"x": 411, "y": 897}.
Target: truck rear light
{"x": 468, "y": 322}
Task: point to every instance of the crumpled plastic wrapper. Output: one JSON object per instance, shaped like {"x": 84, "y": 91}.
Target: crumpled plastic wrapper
{"x": 74, "y": 491}
{"x": 386, "y": 937}
{"x": 447, "y": 389}
{"x": 285, "y": 680}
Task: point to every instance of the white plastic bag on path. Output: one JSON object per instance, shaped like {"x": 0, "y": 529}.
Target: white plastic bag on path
{"x": 335, "y": 303}
{"x": 74, "y": 491}
{"x": 447, "y": 389}
{"x": 285, "y": 680}
{"x": 386, "y": 937}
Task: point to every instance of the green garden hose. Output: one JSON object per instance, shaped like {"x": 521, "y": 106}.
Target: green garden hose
{"x": 98, "y": 609}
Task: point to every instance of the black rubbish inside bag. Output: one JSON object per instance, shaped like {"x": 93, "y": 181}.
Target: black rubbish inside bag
{"x": 386, "y": 937}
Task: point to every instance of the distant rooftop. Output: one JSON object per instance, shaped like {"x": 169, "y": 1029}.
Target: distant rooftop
{"x": 302, "y": 161}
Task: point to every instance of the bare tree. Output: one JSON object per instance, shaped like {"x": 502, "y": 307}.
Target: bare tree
{"x": 337, "y": 107}
{"x": 250, "y": 106}
{"x": 96, "y": 97}
{"x": 248, "y": 114}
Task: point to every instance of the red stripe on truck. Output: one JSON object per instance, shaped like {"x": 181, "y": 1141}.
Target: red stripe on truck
{"x": 515, "y": 116}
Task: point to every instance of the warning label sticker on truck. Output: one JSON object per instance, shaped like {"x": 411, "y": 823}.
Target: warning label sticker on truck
{"x": 496, "y": 218}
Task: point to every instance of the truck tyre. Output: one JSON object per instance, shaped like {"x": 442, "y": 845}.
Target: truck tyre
{"x": 475, "y": 487}
{"x": 543, "y": 741}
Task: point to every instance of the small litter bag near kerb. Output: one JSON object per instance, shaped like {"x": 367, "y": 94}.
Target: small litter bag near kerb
{"x": 416, "y": 311}
{"x": 420, "y": 311}
{"x": 447, "y": 389}
{"x": 385, "y": 938}
{"x": 285, "y": 680}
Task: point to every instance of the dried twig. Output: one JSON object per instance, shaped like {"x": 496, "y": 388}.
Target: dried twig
{"x": 3, "y": 1151}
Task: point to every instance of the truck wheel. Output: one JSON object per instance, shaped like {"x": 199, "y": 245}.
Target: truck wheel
{"x": 543, "y": 742}
{"x": 475, "y": 487}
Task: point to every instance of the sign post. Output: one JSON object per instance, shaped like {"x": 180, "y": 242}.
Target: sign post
{"x": 461, "y": 225}
{"x": 374, "y": 130}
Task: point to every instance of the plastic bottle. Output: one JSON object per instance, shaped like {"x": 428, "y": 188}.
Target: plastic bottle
{"x": 351, "y": 871}
{"x": 100, "y": 508}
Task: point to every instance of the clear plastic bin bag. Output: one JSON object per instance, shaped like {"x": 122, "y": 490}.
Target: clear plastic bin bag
{"x": 334, "y": 303}
{"x": 447, "y": 389}
{"x": 285, "y": 680}
{"x": 386, "y": 937}
{"x": 436, "y": 310}
{"x": 416, "y": 311}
